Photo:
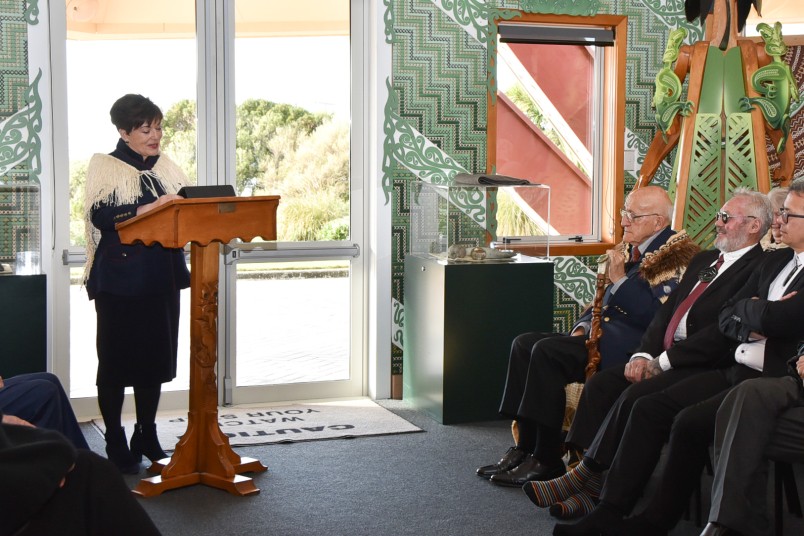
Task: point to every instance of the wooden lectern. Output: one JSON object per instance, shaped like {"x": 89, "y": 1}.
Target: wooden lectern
{"x": 203, "y": 454}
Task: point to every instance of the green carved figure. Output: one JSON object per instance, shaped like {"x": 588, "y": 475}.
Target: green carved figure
{"x": 720, "y": 144}
{"x": 775, "y": 83}
{"x": 668, "y": 85}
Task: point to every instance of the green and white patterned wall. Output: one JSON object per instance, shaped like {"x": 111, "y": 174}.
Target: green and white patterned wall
{"x": 20, "y": 125}
{"x": 436, "y": 116}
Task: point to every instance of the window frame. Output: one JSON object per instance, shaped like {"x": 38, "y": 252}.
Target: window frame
{"x": 611, "y": 144}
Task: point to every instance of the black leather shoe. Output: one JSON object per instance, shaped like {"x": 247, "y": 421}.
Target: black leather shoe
{"x": 715, "y": 529}
{"x": 530, "y": 469}
{"x": 512, "y": 458}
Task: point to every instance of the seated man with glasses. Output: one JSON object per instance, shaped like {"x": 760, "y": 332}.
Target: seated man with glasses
{"x": 785, "y": 214}
{"x": 682, "y": 340}
{"x": 759, "y": 419}
{"x": 542, "y": 364}
{"x": 758, "y": 337}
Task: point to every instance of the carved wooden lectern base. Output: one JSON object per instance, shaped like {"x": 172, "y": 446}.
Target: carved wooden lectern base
{"x": 203, "y": 454}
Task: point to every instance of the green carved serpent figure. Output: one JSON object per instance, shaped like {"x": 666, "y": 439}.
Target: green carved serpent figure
{"x": 668, "y": 85}
{"x": 775, "y": 83}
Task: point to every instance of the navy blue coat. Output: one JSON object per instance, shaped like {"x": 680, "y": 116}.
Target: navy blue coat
{"x": 628, "y": 312}
{"x": 133, "y": 270}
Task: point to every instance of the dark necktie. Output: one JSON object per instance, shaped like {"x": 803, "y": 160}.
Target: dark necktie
{"x": 793, "y": 272}
{"x": 633, "y": 259}
{"x": 706, "y": 276}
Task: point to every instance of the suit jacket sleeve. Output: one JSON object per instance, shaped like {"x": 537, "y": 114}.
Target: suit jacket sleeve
{"x": 635, "y": 303}
{"x": 751, "y": 310}
{"x": 105, "y": 217}
{"x": 776, "y": 320}
{"x": 633, "y": 297}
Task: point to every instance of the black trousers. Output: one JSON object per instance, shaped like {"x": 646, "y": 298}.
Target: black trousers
{"x": 758, "y": 419}
{"x": 539, "y": 368}
{"x": 687, "y": 452}
{"x": 605, "y": 406}
{"x": 692, "y": 404}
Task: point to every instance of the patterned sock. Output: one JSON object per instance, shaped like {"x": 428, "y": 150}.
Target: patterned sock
{"x": 578, "y": 505}
{"x": 594, "y": 485}
{"x": 550, "y": 492}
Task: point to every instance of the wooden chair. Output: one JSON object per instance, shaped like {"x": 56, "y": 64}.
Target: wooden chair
{"x": 573, "y": 392}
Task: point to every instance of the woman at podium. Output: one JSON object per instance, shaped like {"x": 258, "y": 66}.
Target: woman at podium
{"x": 135, "y": 287}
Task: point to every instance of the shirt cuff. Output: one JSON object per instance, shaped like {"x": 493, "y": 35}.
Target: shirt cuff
{"x": 664, "y": 361}
{"x": 587, "y": 327}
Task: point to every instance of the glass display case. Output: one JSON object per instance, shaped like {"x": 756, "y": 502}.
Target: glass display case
{"x": 476, "y": 224}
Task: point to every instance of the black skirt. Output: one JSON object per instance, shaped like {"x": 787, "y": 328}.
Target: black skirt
{"x": 137, "y": 339}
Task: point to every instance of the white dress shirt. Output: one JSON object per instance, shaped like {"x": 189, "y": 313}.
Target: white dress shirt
{"x": 729, "y": 258}
{"x": 752, "y": 353}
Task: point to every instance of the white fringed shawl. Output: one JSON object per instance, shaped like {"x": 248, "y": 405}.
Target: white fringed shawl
{"x": 113, "y": 182}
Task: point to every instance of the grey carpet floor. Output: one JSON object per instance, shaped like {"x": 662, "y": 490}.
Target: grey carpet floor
{"x": 409, "y": 484}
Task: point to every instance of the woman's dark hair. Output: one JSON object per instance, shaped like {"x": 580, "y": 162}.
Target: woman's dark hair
{"x": 132, "y": 111}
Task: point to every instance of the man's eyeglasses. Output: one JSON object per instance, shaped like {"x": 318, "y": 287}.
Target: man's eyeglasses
{"x": 725, "y": 216}
{"x": 630, "y": 216}
{"x": 785, "y": 215}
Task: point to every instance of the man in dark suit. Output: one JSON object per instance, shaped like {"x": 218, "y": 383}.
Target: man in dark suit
{"x": 759, "y": 418}
{"x": 754, "y": 325}
{"x": 541, "y": 365}
{"x": 682, "y": 340}
{"x": 753, "y": 408}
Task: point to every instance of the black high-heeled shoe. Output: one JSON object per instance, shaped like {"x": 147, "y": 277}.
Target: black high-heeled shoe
{"x": 144, "y": 441}
{"x": 118, "y": 453}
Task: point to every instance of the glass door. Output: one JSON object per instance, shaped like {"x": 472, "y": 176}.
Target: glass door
{"x": 257, "y": 95}
{"x": 112, "y": 50}
{"x": 293, "y": 324}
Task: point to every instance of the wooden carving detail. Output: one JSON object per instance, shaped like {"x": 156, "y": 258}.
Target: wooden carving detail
{"x": 775, "y": 83}
{"x": 741, "y": 89}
